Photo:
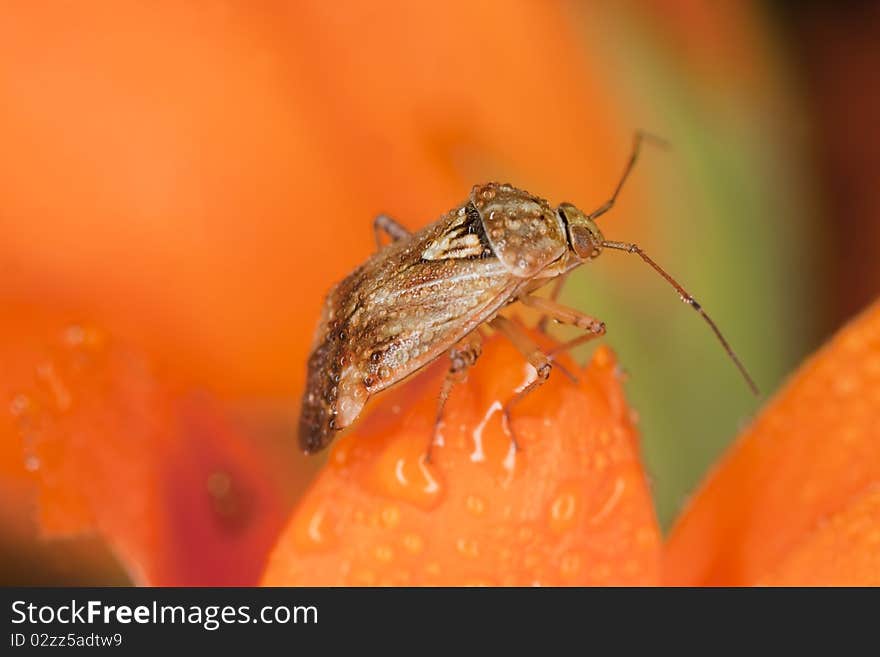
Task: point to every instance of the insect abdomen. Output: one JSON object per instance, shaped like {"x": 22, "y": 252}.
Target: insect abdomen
{"x": 316, "y": 422}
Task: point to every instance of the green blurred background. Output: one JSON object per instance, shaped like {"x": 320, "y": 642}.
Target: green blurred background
{"x": 766, "y": 209}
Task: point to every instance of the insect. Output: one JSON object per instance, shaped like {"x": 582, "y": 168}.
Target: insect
{"x": 427, "y": 293}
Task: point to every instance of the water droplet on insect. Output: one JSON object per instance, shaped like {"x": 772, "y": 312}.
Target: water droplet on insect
{"x": 32, "y": 463}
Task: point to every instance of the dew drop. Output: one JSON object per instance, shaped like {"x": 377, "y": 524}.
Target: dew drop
{"x": 402, "y": 474}
{"x": 609, "y": 504}
{"x": 364, "y": 578}
{"x": 20, "y": 405}
{"x": 74, "y": 335}
{"x": 569, "y": 565}
{"x": 478, "y": 455}
{"x": 475, "y": 505}
{"x": 467, "y": 547}
{"x": 383, "y": 553}
{"x": 564, "y": 510}
{"x": 315, "y": 528}
{"x": 413, "y": 543}
{"x": 525, "y": 534}
{"x": 563, "y": 507}
{"x": 390, "y": 516}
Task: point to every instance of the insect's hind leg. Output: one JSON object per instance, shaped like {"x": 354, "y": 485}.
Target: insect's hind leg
{"x": 385, "y": 224}
{"x": 461, "y": 358}
{"x": 537, "y": 359}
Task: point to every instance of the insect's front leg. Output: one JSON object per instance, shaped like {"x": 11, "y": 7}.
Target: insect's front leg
{"x": 461, "y": 358}
{"x": 565, "y": 315}
{"x": 554, "y": 295}
{"x": 385, "y": 224}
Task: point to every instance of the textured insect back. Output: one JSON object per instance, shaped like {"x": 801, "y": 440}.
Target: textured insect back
{"x": 326, "y": 382}
{"x": 523, "y": 230}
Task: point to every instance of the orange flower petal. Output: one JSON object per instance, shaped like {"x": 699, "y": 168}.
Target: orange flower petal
{"x": 843, "y": 551}
{"x": 805, "y": 459}
{"x": 98, "y": 442}
{"x": 571, "y": 507}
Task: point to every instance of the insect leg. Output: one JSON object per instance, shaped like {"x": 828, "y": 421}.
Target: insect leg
{"x": 634, "y": 155}
{"x": 385, "y": 224}
{"x": 564, "y": 314}
{"x": 554, "y": 295}
{"x": 537, "y": 359}
{"x": 461, "y": 358}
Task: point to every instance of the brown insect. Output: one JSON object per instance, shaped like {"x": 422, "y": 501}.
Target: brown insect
{"x": 427, "y": 293}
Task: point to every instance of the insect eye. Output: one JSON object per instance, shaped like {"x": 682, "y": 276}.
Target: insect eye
{"x": 581, "y": 241}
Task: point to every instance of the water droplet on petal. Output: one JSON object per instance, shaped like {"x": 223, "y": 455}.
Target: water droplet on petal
{"x": 390, "y": 516}
{"x": 401, "y": 473}
{"x": 383, "y": 553}
{"x": 413, "y": 543}
{"x": 467, "y": 547}
{"x": 564, "y": 509}
{"x": 569, "y": 565}
{"x": 475, "y": 505}
{"x": 20, "y": 405}
{"x": 49, "y": 376}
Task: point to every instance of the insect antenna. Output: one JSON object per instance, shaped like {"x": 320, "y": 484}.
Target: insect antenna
{"x": 640, "y": 137}
{"x": 688, "y": 299}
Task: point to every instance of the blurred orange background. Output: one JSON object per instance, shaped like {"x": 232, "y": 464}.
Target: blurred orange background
{"x": 181, "y": 183}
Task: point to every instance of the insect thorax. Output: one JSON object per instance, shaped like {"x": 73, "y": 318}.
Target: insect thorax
{"x": 524, "y": 231}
